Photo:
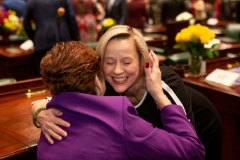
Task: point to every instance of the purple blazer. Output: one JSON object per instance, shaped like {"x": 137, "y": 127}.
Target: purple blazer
{"x": 105, "y": 127}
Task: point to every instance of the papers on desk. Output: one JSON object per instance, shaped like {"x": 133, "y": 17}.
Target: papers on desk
{"x": 224, "y": 77}
{"x": 27, "y": 45}
{"x": 212, "y": 21}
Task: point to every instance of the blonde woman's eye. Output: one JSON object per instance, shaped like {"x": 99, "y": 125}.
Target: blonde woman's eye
{"x": 109, "y": 63}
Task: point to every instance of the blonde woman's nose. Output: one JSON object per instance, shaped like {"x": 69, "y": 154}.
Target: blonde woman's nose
{"x": 118, "y": 69}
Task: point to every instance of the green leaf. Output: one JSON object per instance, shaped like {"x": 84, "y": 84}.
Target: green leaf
{"x": 177, "y": 46}
{"x": 209, "y": 54}
{"x": 215, "y": 46}
{"x": 216, "y": 53}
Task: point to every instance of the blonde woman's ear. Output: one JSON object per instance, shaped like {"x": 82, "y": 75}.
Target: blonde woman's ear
{"x": 99, "y": 87}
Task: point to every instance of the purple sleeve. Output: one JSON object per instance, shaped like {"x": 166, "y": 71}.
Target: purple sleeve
{"x": 178, "y": 141}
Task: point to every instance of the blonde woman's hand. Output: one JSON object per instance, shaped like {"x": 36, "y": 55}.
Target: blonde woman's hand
{"x": 153, "y": 75}
{"x": 154, "y": 81}
{"x": 49, "y": 121}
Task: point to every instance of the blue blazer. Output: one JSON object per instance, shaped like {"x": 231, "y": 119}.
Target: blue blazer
{"x": 118, "y": 12}
{"x": 44, "y": 14}
{"x": 18, "y": 6}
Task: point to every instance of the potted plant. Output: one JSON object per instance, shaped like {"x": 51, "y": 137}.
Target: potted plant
{"x": 193, "y": 39}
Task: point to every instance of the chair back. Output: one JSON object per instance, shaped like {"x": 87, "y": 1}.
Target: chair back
{"x": 173, "y": 28}
{"x": 233, "y": 31}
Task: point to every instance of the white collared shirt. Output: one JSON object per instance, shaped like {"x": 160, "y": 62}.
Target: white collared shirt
{"x": 110, "y": 4}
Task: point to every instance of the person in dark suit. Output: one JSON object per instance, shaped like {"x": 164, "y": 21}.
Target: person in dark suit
{"x": 117, "y": 10}
{"x": 50, "y": 27}
{"x": 172, "y": 8}
{"x": 18, "y": 6}
{"x": 137, "y": 14}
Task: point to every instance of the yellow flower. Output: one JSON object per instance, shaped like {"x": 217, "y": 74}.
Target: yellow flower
{"x": 11, "y": 12}
{"x": 204, "y": 39}
{"x": 183, "y": 37}
{"x": 108, "y": 22}
{"x": 193, "y": 38}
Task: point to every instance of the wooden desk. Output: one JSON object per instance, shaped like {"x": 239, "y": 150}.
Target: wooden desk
{"x": 221, "y": 23}
{"x": 16, "y": 63}
{"x": 18, "y": 135}
{"x": 155, "y": 40}
{"x": 159, "y": 29}
{"x": 225, "y": 48}
{"x": 227, "y": 102}
{"x": 218, "y": 31}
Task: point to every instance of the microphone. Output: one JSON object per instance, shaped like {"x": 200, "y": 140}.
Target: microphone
{"x": 60, "y": 13}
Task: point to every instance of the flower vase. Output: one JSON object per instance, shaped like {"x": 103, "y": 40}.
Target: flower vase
{"x": 195, "y": 63}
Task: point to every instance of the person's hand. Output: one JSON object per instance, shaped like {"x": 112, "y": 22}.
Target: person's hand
{"x": 49, "y": 121}
{"x": 154, "y": 81}
{"x": 153, "y": 75}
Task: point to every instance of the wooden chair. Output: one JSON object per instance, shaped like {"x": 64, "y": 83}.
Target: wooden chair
{"x": 173, "y": 28}
{"x": 174, "y": 56}
{"x": 232, "y": 33}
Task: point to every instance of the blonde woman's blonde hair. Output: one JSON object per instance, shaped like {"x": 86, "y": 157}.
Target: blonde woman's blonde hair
{"x": 119, "y": 32}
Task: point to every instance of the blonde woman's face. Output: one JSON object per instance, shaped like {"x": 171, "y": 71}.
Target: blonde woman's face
{"x": 121, "y": 64}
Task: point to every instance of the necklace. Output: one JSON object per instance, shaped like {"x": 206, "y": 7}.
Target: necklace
{"x": 140, "y": 103}
{"x": 137, "y": 94}
{"x": 142, "y": 100}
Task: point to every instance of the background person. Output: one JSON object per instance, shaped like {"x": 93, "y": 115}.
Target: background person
{"x": 112, "y": 119}
{"x": 137, "y": 14}
{"x": 117, "y": 10}
{"x": 170, "y": 9}
{"x": 88, "y": 13}
{"x": 50, "y": 27}
{"x": 18, "y": 6}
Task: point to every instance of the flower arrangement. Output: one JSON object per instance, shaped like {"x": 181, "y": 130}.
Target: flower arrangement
{"x": 10, "y": 23}
{"x": 107, "y": 23}
{"x": 194, "y": 38}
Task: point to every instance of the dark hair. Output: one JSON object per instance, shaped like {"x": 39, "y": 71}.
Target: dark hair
{"x": 70, "y": 67}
